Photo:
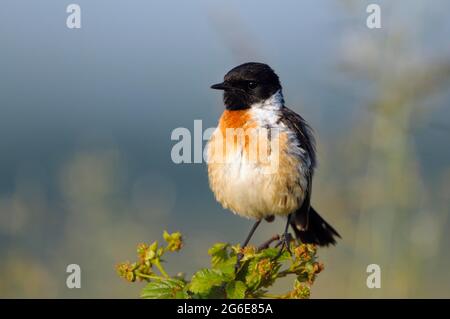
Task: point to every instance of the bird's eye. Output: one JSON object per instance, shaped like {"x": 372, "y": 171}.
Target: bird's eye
{"x": 252, "y": 85}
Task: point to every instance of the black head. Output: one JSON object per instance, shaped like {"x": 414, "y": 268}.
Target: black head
{"x": 247, "y": 84}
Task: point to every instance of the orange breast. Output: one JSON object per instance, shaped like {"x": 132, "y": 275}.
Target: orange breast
{"x": 235, "y": 128}
{"x": 235, "y": 119}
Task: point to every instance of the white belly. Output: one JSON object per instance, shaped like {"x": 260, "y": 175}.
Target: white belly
{"x": 250, "y": 189}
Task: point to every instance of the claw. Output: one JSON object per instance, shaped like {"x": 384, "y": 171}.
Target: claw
{"x": 285, "y": 243}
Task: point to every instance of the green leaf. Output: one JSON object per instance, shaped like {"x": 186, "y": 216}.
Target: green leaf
{"x": 235, "y": 290}
{"x": 252, "y": 276}
{"x": 227, "y": 267}
{"x": 217, "y": 248}
{"x": 204, "y": 280}
{"x": 163, "y": 289}
{"x": 222, "y": 260}
{"x": 182, "y": 294}
{"x": 218, "y": 253}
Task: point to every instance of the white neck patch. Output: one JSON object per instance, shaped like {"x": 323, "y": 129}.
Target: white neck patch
{"x": 267, "y": 112}
{"x": 275, "y": 102}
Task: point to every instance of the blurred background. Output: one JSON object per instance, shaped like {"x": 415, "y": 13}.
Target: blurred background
{"x": 86, "y": 118}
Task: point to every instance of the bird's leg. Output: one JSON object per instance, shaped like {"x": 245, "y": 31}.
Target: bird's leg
{"x": 249, "y": 236}
{"x": 285, "y": 239}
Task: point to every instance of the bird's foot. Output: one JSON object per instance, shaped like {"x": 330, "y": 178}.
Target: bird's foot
{"x": 285, "y": 242}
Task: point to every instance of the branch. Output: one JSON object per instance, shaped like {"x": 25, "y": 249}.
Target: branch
{"x": 259, "y": 270}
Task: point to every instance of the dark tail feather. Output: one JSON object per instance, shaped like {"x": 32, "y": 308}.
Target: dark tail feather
{"x": 319, "y": 232}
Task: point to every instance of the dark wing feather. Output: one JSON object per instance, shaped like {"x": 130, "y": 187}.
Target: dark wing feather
{"x": 306, "y": 141}
{"x": 303, "y": 131}
{"x": 308, "y": 225}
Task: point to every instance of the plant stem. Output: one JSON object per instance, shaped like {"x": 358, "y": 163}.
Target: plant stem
{"x": 160, "y": 268}
{"x": 147, "y": 276}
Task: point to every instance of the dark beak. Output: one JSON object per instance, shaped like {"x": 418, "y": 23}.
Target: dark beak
{"x": 220, "y": 86}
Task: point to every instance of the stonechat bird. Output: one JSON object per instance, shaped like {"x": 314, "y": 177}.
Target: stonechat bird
{"x": 254, "y": 106}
